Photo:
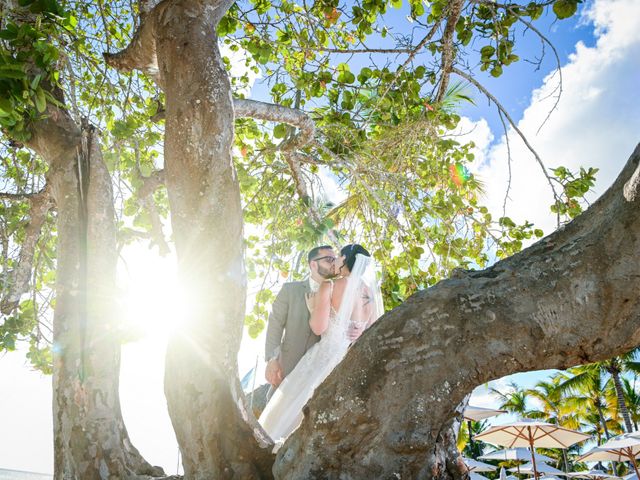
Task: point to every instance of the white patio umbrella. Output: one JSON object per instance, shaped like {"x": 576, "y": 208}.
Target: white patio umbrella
{"x": 521, "y": 454}
{"x": 623, "y": 448}
{"x": 477, "y": 476}
{"x": 476, "y": 466}
{"x": 593, "y": 474}
{"x": 504, "y": 476}
{"x": 532, "y": 433}
{"x": 480, "y": 413}
{"x": 476, "y": 414}
{"x": 542, "y": 468}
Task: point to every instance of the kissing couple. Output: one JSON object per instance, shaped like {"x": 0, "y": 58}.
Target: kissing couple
{"x": 311, "y": 325}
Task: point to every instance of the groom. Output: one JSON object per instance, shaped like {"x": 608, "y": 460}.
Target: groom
{"x": 290, "y": 315}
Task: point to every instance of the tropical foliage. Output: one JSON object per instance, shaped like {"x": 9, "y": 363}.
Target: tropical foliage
{"x": 385, "y": 132}
{"x": 582, "y": 398}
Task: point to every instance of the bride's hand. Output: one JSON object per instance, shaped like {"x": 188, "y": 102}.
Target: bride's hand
{"x": 310, "y": 298}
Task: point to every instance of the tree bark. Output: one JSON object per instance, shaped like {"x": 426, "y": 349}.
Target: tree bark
{"x": 603, "y": 420}
{"x": 90, "y": 438}
{"x": 215, "y": 431}
{"x": 387, "y": 410}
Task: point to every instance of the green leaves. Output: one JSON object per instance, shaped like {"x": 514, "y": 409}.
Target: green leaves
{"x": 574, "y": 189}
{"x": 565, "y": 8}
{"x": 28, "y": 62}
{"x": 344, "y": 74}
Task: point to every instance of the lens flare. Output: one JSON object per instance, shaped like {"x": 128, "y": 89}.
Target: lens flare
{"x": 459, "y": 174}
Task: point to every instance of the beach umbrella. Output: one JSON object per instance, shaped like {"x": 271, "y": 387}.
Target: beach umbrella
{"x": 532, "y": 433}
{"x": 503, "y": 474}
{"x": 477, "y": 414}
{"x": 519, "y": 454}
{"x": 623, "y": 448}
{"x": 593, "y": 474}
{"x": 480, "y": 413}
{"x": 542, "y": 468}
{"x": 476, "y": 466}
{"x": 477, "y": 476}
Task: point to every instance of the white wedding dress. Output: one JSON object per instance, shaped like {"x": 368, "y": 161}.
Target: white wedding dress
{"x": 283, "y": 412}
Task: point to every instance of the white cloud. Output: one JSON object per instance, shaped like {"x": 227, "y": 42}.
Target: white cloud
{"x": 596, "y": 124}
{"x": 480, "y": 134}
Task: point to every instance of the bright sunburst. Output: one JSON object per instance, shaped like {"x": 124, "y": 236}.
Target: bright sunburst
{"x": 153, "y": 304}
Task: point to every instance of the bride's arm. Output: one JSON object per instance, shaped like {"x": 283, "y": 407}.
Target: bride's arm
{"x": 319, "y": 320}
{"x": 369, "y": 309}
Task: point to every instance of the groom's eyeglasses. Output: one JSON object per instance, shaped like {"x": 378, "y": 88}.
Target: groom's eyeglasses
{"x": 328, "y": 258}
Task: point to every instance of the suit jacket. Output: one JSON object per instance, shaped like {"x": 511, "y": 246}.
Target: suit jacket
{"x": 288, "y": 326}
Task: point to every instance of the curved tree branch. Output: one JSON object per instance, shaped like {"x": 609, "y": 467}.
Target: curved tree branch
{"x": 448, "y": 51}
{"x": 278, "y": 113}
{"x": 140, "y": 54}
{"x": 18, "y": 281}
{"x": 569, "y": 299}
{"x": 21, "y": 196}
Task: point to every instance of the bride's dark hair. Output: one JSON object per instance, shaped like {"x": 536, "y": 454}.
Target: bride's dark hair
{"x": 350, "y": 252}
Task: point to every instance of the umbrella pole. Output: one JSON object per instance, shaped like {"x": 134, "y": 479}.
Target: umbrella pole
{"x": 533, "y": 455}
{"x": 633, "y": 462}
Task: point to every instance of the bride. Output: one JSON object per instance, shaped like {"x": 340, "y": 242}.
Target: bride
{"x": 351, "y": 302}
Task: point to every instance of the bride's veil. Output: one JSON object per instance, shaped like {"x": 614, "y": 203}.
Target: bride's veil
{"x": 364, "y": 271}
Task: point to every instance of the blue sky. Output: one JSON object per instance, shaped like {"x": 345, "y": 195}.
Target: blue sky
{"x": 597, "y": 124}
{"x": 514, "y": 87}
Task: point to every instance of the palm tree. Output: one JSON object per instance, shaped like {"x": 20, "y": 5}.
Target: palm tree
{"x": 615, "y": 367}
{"x": 514, "y": 400}
{"x": 471, "y": 449}
{"x": 632, "y": 400}
{"x": 589, "y": 391}
{"x": 554, "y": 408}
{"x": 591, "y": 373}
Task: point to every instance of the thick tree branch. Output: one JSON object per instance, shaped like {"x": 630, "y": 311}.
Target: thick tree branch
{"x": 246, "y": 108}
{"x": 18, "y": 281}
{"x": 140, "y": 54}
{"x": 448, "y": 50}
{"x": 278, "y": 113}
{"x": 569, "y": 299}
{"x": 20, "y": 196}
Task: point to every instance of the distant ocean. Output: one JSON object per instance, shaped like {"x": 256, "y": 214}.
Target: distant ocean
{"x": 18, "y": 475}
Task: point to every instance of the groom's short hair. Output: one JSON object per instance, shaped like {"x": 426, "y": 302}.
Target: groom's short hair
{"x": 313, "y": 253}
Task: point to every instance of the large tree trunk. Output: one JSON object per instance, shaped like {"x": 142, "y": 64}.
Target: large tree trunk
{"x": 205, "y": 401}
{"x": 387, "y": 410}
{"x": 90, "y": 439}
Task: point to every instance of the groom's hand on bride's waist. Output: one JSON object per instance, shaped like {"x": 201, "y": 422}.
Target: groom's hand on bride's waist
{"x": 273, "y": 372}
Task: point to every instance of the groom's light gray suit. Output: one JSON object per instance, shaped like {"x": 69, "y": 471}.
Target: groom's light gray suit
{"x": 288, "y": 333}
